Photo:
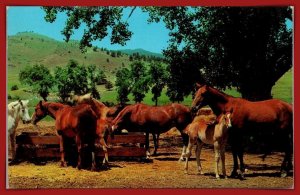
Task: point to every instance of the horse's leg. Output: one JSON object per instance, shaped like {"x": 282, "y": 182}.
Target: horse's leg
{"x": 79, "y": 149}
{"x": 185, "y": 140}
{"x": 241, "y": 158}
{"x": 13, "y": 146}
{"x": 222, "y": 149}
{"x": 287, "y": 161}
{"x": 93, "y": 149}
{"x": 147, "y": 145}
{"x": 62, "y": 151}
{"x": 188, "y": 153}
{"x": 217, "y": 158}
{"x": 104, "y": 147}
{"x": 198, "y": 153}
{"x": 155, "y": 144}
{"x": 233, "y": 140}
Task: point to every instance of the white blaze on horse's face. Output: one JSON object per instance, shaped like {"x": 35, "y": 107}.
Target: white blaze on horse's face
{"x": 228, "y": 119}
{"x": 24, "y": 115}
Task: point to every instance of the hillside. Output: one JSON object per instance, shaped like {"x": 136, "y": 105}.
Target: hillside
{"x": 29, "y": 48}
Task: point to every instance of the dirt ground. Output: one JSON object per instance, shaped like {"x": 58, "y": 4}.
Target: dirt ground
{"x": 162, "y": 171}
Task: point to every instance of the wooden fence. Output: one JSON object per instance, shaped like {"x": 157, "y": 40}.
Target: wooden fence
{"x": 36, "y": 146}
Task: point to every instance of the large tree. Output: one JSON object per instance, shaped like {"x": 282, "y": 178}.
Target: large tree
{"x": 38, "y": 77}
{"x": 249, "y": 48}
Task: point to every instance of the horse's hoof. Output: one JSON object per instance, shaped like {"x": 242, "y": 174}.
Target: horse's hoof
{"x": 225, "y": 177}
{"x": 200, "y": 173}
{"x": 218, "y": 177}
{"x": 234, "y": 174}
{"x": 63, "y": 164}
{"x": 79, "y": 167}
{"x": 242, "y": 176}
{"x": 181, "y": 159}
{"x": 283, "y": 174}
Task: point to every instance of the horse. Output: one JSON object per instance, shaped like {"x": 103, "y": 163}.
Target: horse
{"x": 248, "y": 116}
{"x": 77, "y": 122}
{"x": 154, "y": 120}
{"x": 216, "y": 134}
{"x": 102, "y": 122}
{"x": 16, "y": 110}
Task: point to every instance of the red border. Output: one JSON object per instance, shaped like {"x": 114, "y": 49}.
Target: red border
{"x": 3, "y": 102}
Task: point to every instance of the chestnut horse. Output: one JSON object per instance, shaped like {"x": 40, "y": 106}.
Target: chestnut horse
{"x": 216, "y": 134}
{"x": 154, "y": 120}
{"x": 269, "y": 115}
{"x": 73, "y": 122}
{"x": 102, "y": 122}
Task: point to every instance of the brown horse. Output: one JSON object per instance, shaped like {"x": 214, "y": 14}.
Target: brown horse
{"x": 70, "y": 122}
{"x": 269, "y": 115}
{"x": 154, "y": 120}
{"x": 216, "y": 134}
{"x": 103, "y": 120}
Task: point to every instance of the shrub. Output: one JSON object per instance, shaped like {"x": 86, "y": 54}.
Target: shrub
{"x": 14, "y": 87}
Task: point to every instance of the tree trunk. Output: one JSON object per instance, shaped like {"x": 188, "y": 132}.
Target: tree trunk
{"x": 257, "y": 93}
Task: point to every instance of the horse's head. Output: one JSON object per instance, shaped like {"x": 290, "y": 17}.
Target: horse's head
{"x": 225, "y": 118}
{"x": 199, "y": 99}
{"x": 39, "y": 113}
{"x": 121, "y": 120}
{"x": 24, "y": 115}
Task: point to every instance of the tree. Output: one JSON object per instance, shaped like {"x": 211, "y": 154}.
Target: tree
{"x": 93, "y": 76}
{"x": 140, "y": 80}
{"x": 123, "y": 85}
{"x": 39, "y": 78}
{"x": 249, "y": 48}
{"x": 72, "y": 79}
{"x": 97, "y": 21}
{"x": 158, "y": 77}
{"x": 109, "y": 85}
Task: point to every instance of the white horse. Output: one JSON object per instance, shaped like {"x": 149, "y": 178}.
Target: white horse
{"x": 16, "y": 110}
{"x": 213, "y": 134}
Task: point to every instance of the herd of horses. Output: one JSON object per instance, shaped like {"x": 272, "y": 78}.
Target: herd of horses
{"x": 90, "y": 121}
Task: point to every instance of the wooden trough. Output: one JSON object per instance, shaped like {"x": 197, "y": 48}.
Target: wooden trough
{"x": 35, "y": 146}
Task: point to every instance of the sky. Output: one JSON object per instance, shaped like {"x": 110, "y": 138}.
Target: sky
{"x": 151, "y": 37}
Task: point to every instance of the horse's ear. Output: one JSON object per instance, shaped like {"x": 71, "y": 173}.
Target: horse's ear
{"x": 198, "y": 85}
{"x": 41, "y": 104}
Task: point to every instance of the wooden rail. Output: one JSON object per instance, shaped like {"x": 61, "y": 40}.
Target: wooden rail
{"x": 34, "y": 146}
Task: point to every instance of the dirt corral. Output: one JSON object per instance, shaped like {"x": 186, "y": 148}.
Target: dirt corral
{"x": 162, "y": 171}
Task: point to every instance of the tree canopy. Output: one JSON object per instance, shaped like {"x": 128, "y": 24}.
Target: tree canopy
{"x": 249, "y": 48}
{"x": 39, "y": 78}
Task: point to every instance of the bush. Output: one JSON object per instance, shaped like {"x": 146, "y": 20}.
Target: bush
{"x": 9, "y": 97}
{"x": 14, "y": 87}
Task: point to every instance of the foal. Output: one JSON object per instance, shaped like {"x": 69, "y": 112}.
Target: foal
{"x": 213, "y": 134}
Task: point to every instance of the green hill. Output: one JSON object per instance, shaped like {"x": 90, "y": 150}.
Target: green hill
{"x": 30, "y": 48}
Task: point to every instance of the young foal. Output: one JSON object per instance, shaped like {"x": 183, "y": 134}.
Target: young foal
{"x": 16, "y": 110}
{"x": 74, "y": 122}
{"x": 213, "y": 134}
